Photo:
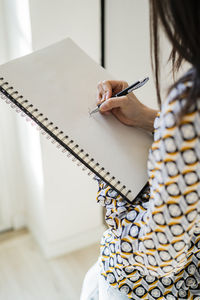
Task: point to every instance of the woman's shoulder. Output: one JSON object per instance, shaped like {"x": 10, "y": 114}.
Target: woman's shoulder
{"x": 177, "y": 96}
{"x": 171, "y": 108}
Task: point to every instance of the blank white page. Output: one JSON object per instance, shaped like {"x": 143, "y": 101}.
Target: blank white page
{"x": 61, "y": 81}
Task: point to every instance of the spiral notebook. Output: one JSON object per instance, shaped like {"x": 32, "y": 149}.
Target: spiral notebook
{"x": 56, "y": 87}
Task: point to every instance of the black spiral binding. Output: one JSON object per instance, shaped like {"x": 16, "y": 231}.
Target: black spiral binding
{"x": 67, "y": 145}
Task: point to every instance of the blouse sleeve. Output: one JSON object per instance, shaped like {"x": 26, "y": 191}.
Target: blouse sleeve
{"x": 157, "y": 240}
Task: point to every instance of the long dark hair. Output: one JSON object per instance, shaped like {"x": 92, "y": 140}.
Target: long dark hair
{"x": 180, "y": 20}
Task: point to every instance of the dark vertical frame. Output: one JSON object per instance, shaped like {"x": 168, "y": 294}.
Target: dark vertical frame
{"x": 103, "y": 33}
{"x": 102, "y": 3}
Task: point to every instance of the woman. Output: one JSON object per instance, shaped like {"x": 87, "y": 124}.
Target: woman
{"x": 152, "y": 250}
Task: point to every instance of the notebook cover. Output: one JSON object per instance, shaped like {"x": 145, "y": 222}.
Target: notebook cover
{"x": 61, "y": 82}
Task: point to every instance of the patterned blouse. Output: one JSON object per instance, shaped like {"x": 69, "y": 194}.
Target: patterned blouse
{"x": 152, "y": 249}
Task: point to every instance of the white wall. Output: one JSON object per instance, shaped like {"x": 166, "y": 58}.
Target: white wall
{"x": 73, "y": 219}
{"x": 3, "y": 48}
{"x": 127, "y": 44}
{"x": 54, "y": 20}
{"x": 14, "y": 42}
{"x": 17, "y": 27}
{"x": 128, "y": 48}
{"x": 5, "y": 215}
{"x": 56, "y": 198}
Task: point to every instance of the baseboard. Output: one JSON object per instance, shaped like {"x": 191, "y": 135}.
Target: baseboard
{"x": 69, "y": 244}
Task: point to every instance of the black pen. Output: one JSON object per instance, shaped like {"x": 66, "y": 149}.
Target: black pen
{"x": 126, "y": 91}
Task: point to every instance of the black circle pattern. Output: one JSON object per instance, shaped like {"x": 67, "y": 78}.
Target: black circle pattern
{"x": 152, "y": 248}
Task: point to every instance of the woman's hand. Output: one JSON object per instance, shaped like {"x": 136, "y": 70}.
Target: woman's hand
{"x": 127, "y": 109}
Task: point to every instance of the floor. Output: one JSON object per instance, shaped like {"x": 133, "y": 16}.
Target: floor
{"x": 26, "y": 275}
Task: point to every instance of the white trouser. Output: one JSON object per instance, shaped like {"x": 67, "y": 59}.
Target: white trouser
{"x": 95, "y": 287}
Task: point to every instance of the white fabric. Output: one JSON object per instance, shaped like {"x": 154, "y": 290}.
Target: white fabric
{"x": 90, "y": 289}
{"x": 95, "y": 286}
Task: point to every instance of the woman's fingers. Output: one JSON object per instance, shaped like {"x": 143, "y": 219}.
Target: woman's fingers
{"x": 104, "y": 91}
{"x": 114, "y": 102}
{"x": 108, "y": 88}
{"x": 99, "y": 93}
{"x": 117, "y": 85}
